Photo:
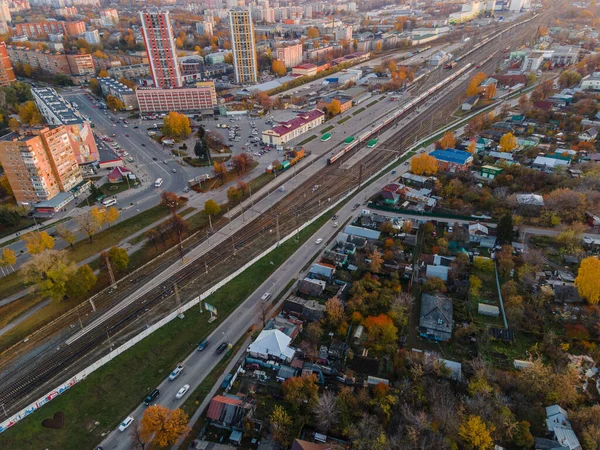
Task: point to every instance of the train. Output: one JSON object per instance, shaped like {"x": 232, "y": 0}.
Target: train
{"x": 368, "y": 134}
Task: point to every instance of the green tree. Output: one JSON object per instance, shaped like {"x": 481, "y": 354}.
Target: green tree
{"x": 211, "y": 208}
{"x": 51, "y": 272}
{"x": 118, "y": 258}
{"x": 81, "y": 282}
{"x": 505, "y": 231}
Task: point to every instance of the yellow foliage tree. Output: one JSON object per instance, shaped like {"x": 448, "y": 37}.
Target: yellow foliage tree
{"x": 335, "y": 107}
{"x": 508, "y": 142}
{"x": 448, "y": 140}
{"x": 472, "y": 148}
{"x": 176, "y": 125}
{"x": 312, "y": 33}
{"x": 29, "y": 113}
{"x": 9, "y": 258}
{"x": 423, "y": 164}
{"x": 474, "y": 88}
{"x": 476, "y": 434}
{"x": 162, "y": 426}
{"x": 114, "y": 103}
{"x": 587, "y": 279}
{"x": 490, "y": 91}
{"x": 103, "y": 74}
{"x": 278, "y": 68}
{"x": 38, "y": 241}
{"x": 111, "y": 216}
{"x": 281, "y": 426}
{"x": 98, "y": 215}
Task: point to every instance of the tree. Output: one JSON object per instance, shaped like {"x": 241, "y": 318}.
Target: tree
{"x": 476, "y": 434}
{"x": 434, "y": 284}
{"x": 587, "y": 279}
{"x": 103, "y": 73}
{"x": 37, "y": 242}
{"x": 281, "y": 426}
{"x": 474, "y": 88}
{"x": 335, "y": 107}
{"x": 335, "y": 311}
{"x": 170, "y": 199}
{"x": 508, "y": 142}
{"x": 524, "y": 103}
{"x": 448, "y": 140}
{"x": 383, "y": 334}
{"x": 14, "y": 124}
{"x": 242, "y": 163}
{"x": 472, "y": 148}
{"x": 211, "y": 208}
{"x": 81, "y": 282}
{"x": 300, "y": 391}
{"x": 9, "y": 258}
{"x": 114, "y": 103}
{"x": 118, "y": 257}
{"x": 201, "y": 150}
{"x": 111, "y": 216}
{"x": 163, "y": 426}
{"x": 505, "y": 261}
{"x": 66, "y": 234}
{"x": 376, "y": 261}
{"x": 474, "y": 286}
{"x": 278, "y": 68}
{"x": 176, "y": 125}
{"x": 490, "y": 91}
{"x": 95, "y": 86}
{"x": 50, "y": 271}
{"x": 29, "y": 114}
{"x": 569, "y": 205}
{"x": 423, "y": 164}
{"x": 569, "y": 78}
{"x": 99, "y": 216}
{"x": 326, "y": 412}
{"x": 312, "y": 33}
{"x": 314, "y": 333}
{"x": 505, "y": 230}
{"x": 233, "y": 195}
{"x": 220, "y": 170}
{"x": 88, "y": 224}
{"x": 263, "y": 99}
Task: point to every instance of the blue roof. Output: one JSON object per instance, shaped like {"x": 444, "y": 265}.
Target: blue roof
{"x": 451, "y": 155}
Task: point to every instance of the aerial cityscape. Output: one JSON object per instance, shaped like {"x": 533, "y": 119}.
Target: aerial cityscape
{"x": 275, "y": 225}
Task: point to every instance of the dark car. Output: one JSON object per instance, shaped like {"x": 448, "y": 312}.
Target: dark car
{"x": 155, "y": 159}
{"x": 203, "y": 345}
{"x": 151, "y": 396}
{"x": 222, "y": 347}
{"x": 143, "y": 145}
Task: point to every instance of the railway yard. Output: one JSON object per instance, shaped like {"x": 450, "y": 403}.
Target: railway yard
{"x": 30, "y": 367}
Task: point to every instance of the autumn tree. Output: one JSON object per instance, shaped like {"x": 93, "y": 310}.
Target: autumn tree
{"x": 29, "y": 114}
{"x": 335, "y": 107}
{"x": 111, "y": 215}
{"x": 81, "y": 282}
{"x": 88, "y": 224}
{"x": 376, "y": 261}
{"x": 163, "y": 426}
{"x": 14, "y": 124}
{"x": 476, "y": 434}
{"x": 524, "y": 103}
{"x": 242, "y": 163}
{"x": 220, "y": 169}
{"x": 211, "y": 208}
{"x": 312, "y": 33}
{"x": 281, "y": 426}
{"x": 423, "y": 164}
{"x": 118, "y": 258}
{"x": 50, "y": 271}
{"x": 490, "y": 91}
{"x": 569, "y": 78}
{"x": 335, "y": 311}
{"x": 278, "y": 68}
{"x": 434, "y": 284}
{"x": 233, "y": 195}
{"x": 176, "y": 125}
{"x": 66, "y": 234}
{"x": 472, "y": 148}
{"x": 9, "y": 258}
{"x": 314, "y": 331}
{"x": 383, "y": 334}
{"x": 37, "y": 242}
{"x": 114, "y": 103}
{"x": 569, "y": 205}
{"x": 448, "y": 140}
{"x": 300, "y": 391}
{"x": 508, "y": 142}
{"x": 326, "y": 412}
{"x": 587, "y": 282}
{"x": 473, "y": 88}
{"x": 264, "y": 100}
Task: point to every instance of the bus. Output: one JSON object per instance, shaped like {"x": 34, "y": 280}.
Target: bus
{"x": 326, "y": 137}
{"x": 158, "y": 183}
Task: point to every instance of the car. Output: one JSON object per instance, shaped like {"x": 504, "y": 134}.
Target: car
{"x": 151, "y": 396}
{"x": 252, "y": 366}
{"x": 135, "y": 126}
{"x": 154, "y": 158}
{"x": 393, "y": 172}
{"x": 166, "y": 161}
{"x": 221, "y": 348}
{"x": 126, "y": 135}
{"x": 181, "y": 392}
{"x": 205, "y": 342}
{"x": 176, "y": 372}
{"x": 406, "y": 163}
{"x": 114, "y": 124}
{"x": 143, "y": 145}
{"x": 174, "y": 170}
{"x": 126, "y": 126}
{"x": 335, "y": 224}
{"x": 95, "y": 106}
{"x": 318, "y": 241}
{"x": 334, "y": 217}
{"x": 356, "y": 205}
{"x": 125, "y": 424}
{"x": 112, "y": 135}
{"x": 450, "y": 228}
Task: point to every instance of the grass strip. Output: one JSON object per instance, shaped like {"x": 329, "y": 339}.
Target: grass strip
{"x": 372, "y": 103}
{"x": 26, "y": 223}
{"x": 111, "y": 392}
{"x": 307, "y": 140}
{"x": 343, "y": 120}
{"x": 329, "y": 128}
{"x": 358, "y": 111}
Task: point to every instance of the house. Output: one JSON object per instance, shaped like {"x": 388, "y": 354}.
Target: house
{"x": 362, "y": 232}
{"x": 117, "y": 174}
{"x": 272, "y": 344}
{"x": 558, "y": 425}
{"x": 490, "y": 172}
{"x": 550, "y": 162}
{"x": 566, "y": 293}
{"x": 543, "y": 105}
{"x": 588, "y": 135}
{"x": 436, "y": 266}
{"x": 488, "y": 310}
{"x": 322, "y": 270}
{"x": 417, "y": 181}
{"x": 504, "y": 156}
{"x": 286, "y": 131}
{"x": 436, "y": 319}
{"x": 530, "y": 199}
{"x": 390, "y": 198}
{"x": 452, "y": 160}
{"x": 228, "y": 410}
{"x": 470, "y": 102}
{"x": 312, "y": 287}
{"x": 305, "y": 445}
{"x": 310, "y": 310}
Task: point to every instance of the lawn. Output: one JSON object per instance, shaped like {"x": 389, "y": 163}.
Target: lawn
{"x": 358, "y": 111}
{"x": 107, "y": 189}
{"x": 307, "y": 140}
{"x": 12, "y": 310}
{"x": 11, "y": 284}
{"x": 216, "y": 183}
{"x": 23, "y": 223}
{"x": 343, "y": 120}
{"x": 329, "y": 128}
{"x": 372, "y": 103}
{"x": 111, "y": 392}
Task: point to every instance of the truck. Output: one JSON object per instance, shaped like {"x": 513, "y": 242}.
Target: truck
{"x": 450, "y": 65}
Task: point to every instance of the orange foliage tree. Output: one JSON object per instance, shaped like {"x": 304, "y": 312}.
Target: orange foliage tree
{"x": 423, "y": 164}
{"x": 163, "y": 426}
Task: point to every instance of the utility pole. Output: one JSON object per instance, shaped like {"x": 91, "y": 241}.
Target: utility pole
{"x": 113, "y": 281}
{"x": 277, "y": 224}
{"x": 178, "y": 301}
{"x": 206, "y": 266}
{"x": 210, "y": 223}
{"x": 79, "y": 317}
{"x": 360, "y": 170}
{"x": 233, "y": 244}
{"x": 109, "y": 341}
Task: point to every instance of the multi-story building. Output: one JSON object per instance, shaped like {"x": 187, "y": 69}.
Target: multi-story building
{"x": 204, "y": 28}
{"x": 39, "y": 30}
{"x": 75, "y": 28}
{"x": 244, "y": 54}
{"x": 91, "y": 37}
{"x": 4, "y": 12}
{"x": 7, "y": 74}
{"x": 160, "y": 46}
{"x": 57, "y": 111}
{"x": 119, "y": 90}
{"x": 343, "y": 33}
{"x": 216, "y": 58}
{"x": 286, "y": 131}
{"x": 290, "y": 55}
{"x": 66, "y": 12}
{"x": 53, "y": 62}
{"x": 203, "y": 96}
{"x": 109, "y": 17}
{"x": 39, "y": 164}
{"x": 191, "y": 65}
{"x": 131, "y": 72}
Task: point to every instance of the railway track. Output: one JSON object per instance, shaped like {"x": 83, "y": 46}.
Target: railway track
{"x": 22, "y": 383}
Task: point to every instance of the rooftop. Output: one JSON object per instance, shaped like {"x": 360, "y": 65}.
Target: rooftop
{"x": 58, "y": 105}
{"x": 115, "y": 85}
{"x": 291, "y": 125}
{"x": 452, "y": 155}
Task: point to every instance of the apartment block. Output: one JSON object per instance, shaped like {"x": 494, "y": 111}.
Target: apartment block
{"x": 75, "y": 28}
{"x": 205, "y": 28}
{"x": 7, "y": 74}
{"x": 131, "y": 72}
{"x": 53, "y": 62}
{"x": 39, "y": 164}
{"x": 109, "y": 17}
{"x": 119, "y": 90}
{"x": 290, "y": 55}
{"x": 203, "y": 96}
{"x": 244, "y": 47}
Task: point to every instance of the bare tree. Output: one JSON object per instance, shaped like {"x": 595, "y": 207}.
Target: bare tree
{"x": 264, "y": 313}
{"x": 87, "y": 224}
{"x": 326, "y": 412}
{"x": 136, "y": 437}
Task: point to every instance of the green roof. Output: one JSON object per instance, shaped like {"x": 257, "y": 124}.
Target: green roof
{"x": 349, "y": 139}
{"x": 326, "y": 137}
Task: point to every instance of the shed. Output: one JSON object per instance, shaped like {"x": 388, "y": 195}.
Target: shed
{"x": 488, "y": 310}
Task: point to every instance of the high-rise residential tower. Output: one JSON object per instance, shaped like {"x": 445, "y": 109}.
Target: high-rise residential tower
{"x": 162, "y": 52}
{"x": 244, "y": 48}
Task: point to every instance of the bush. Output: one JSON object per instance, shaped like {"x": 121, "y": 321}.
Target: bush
{"x": 195, "y": 162}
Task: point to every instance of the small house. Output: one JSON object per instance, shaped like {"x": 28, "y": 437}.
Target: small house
{"x": 436, "y": 317}
{"x": 470, "y": 102}
{"x": 490, "y": 172}
{"x": 588, "y": 135}
{"x": 452, "y": 160}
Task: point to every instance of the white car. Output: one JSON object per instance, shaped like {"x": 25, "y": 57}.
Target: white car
{"x": 319, "y": 241}
{"x": 181, "y": 392}
{"x": 125, "y": 424}
{"x": 176, "y": 373}
{"x": 335, "y": 224}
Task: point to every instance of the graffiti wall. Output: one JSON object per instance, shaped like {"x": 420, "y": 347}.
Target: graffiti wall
{"x": 83, "y": 142}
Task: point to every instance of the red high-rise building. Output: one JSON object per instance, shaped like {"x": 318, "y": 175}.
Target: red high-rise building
{"x": 160, "y": 45}
{"x": 7, "y": 74}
